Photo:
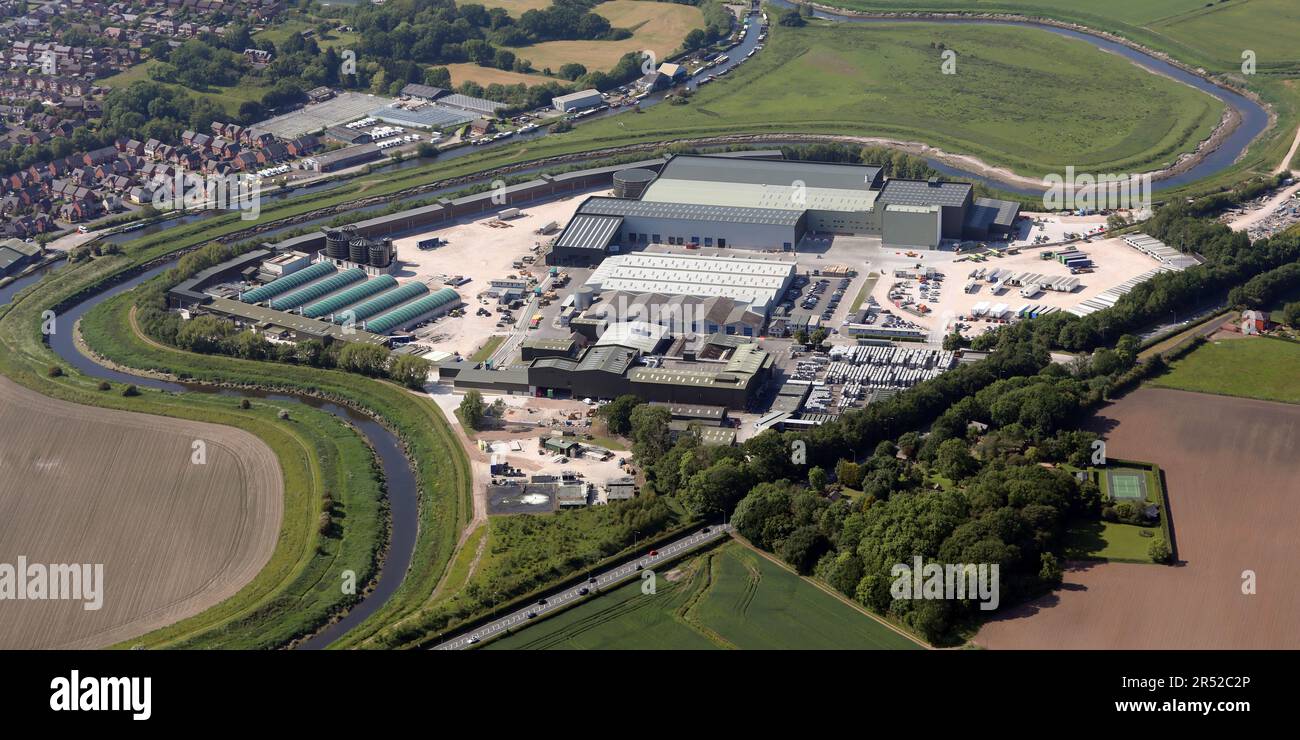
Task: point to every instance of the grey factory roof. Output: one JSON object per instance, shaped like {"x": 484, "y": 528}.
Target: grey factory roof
{"x": 428, "y": 92}
{"x": 769, "y": 172}
{"x": 429, "y": 116}
{"x": 988, "y": 211}
{"x": 602, "y": 206}
{"x": 639, "y": 335}
{"x": 589, "y": 232}
{"x": 293, "y": 322}
{"x": 925, "y": 193}
{"x": 693, "y": 410}
{"x": 469, "y": 102}
{"x": 609, "y": 358}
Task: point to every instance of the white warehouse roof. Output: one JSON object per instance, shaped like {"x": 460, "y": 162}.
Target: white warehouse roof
{"x": 754, "y": 281}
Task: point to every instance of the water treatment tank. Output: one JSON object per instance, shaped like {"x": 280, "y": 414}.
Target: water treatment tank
{"x": 631, "y": 183}
{"x": 381, "y": 252}
{"x": 336, "y": 244}
{"x": 359, "y": 250}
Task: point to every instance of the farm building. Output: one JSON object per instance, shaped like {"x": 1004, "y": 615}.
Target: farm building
{"x": 589, "y": 98}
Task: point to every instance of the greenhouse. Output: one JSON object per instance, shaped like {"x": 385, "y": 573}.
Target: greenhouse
{"x": 288, "y": 282}
{"x": 319, "y": 290}
{"x": 412, "y": 311}
{"x": 382, "y": 302}
{"x": 352, "y": 295}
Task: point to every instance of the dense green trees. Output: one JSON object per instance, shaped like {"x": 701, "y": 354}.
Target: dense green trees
{"x": 618, "y": 413}
{"x": 471, "y": 410}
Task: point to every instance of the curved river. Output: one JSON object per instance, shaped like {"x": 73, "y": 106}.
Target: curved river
{"x": 399, "y": 481}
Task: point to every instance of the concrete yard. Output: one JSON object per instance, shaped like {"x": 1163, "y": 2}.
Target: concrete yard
{"x": 482, "y": 253}
{"x": 1115, "y": 263}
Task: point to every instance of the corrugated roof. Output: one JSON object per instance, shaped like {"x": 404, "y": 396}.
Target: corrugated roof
{"x": 589, "y": 232}
{"x": 840, "y": 176}
{"x": 925, "y": 193}
{"x": 602, "y": 206}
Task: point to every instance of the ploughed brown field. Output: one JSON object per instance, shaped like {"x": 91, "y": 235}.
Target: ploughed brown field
{"x": 1232, "y": 468}
{"x": 86, "y": 485}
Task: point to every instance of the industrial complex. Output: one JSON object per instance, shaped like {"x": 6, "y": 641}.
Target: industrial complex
{"x": 689, "y": 280}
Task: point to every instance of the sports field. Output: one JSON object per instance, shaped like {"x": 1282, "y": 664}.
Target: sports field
{"x": 1019, "y": 97}
{"x": 659, "y": 27}
{"x": 1231, "y": 468}
{"x": 728, "y": 598}
{"x": 1250, "y": 367}
{"x": 1208, "y": 32}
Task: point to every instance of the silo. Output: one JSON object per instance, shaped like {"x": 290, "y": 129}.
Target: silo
{"x": 381, "y": 252}
{"x": 336, "y": 244}
{"x": 359, "y": 250}
{"x": 631, "y": 183}
{"x": 583, "y": 297}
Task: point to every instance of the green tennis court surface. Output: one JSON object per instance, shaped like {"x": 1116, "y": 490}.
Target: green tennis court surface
{"x": 1125, "y": 486}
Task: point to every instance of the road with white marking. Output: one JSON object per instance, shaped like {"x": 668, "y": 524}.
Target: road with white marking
{"x": 587, "y": 589}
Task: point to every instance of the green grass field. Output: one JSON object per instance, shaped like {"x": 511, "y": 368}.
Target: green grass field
{"x": 730, "y": 598}
{"x": 1096, "y": 539}
{"x": 1249, "y": 367}
{"x": 1214, "y": 36}
{"x": 1022, "y": 98}
{"x": 229, "y": 98}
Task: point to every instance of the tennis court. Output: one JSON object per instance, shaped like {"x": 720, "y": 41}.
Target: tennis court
{"x": 1127, "y": 485}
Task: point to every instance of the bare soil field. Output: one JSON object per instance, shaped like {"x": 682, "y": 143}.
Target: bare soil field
{"x": 90, "y": 485}
{"x": 1231, "y": 470}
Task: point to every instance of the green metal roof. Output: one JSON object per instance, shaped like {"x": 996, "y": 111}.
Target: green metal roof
{"x": 382, "y": 302}
{"x": 288, "y": 282}
{"x": 318, "y": 289}
{"x": 348, "y": 297}
{"x": 413, "y": 310}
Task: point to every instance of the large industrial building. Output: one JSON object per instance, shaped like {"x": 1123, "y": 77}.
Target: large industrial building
{"x": 731, "y": 202}
{"x": 751, "y": 281}
{"x": 722, "y": 371}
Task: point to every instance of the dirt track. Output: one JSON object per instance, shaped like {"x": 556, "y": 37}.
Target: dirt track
{"x": 88, "y": 485}
{"x": 1232, "y": 472}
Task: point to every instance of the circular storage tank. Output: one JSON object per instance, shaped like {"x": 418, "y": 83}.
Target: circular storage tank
{"x": 336, "y": 244}
{"x": 583, "y": 297}
{"x": 359, "y": 250}
{"x": 631, "y": 183}
{"x": 381, "y": 252}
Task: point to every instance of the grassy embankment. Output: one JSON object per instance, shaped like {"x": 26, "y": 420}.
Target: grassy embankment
{"x": 729, "y": 597}
{"x": 296, "y": 591}
{"x": 441, "y": 469}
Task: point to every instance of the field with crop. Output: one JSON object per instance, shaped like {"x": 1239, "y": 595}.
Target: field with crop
{"x": 730, "y": 598}
{"x": 1250, "y": 367}
{"x": 468, "y": 72}
{"x": 1230, "y": 468}
{"x": 659, "y": 27}
{"x": 1019, "y": 97}
{"x": 92, "y": 486}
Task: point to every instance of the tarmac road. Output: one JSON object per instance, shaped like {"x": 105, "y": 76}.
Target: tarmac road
{"x": 520, "y": 618}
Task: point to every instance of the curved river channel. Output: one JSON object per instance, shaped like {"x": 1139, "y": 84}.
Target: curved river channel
{"x": 399, "y": 481}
